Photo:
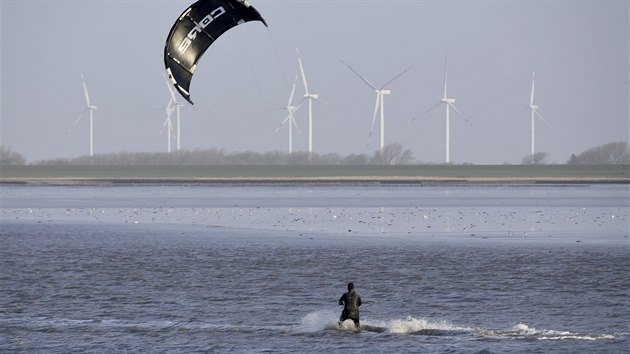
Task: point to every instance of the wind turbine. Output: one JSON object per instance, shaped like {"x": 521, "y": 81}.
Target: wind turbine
{"x": 380, "y": 103}
{"x": 310, "y": 97}
{"x": 173, "y": 105}
{"x": 88, "y": 108}
{"x": 290, "y": 119}
{"x": 168, "y": 124}
{"x": 449, "y": 103}
{"x": 534, "y": 110}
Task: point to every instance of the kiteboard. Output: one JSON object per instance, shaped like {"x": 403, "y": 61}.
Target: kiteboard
{"x": 375, "y": 329}
{"x": 348, "y": 326}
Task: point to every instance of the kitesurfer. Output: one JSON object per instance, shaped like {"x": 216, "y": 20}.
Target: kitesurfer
{"x": 351, "y": 301}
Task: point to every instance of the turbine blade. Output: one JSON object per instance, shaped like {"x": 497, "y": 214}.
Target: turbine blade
{"x": 396, "y": 77}
{"x": 165, "y": 125}
{"x": 80, "y": 117}
{"x": 78, "y": 120}
{"x": 367, "y": 82}
{"x": 427, "y": 111}
{"x": 460, "y": 113}
{"x": 295, "y": 125}
{"x": 322, "y": 101}
{"x": 170, "y": 108}
{"x": 376, "y": 106}
{"x": 445, "y": 75}
{"x": 169, "y": 114}
{"x": 171, "y": 89}
{"x": 171, "y": 103}
{"x": 85, "y": 91}
{"x": 302, "y": 101}
{"x": 302, "y": 71}
{"x": 289, "y": 117}
{"x": 283, "y": 122}
{"x": 292, "y": 91}
{"x": 541, "y": 117}
{"x": 531, "y": 100}
{"x": 166, "y": 121}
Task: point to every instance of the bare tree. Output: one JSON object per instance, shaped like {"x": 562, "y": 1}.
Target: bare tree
{"x": 407, "y": 158}
{"x": 539, "y": 158}
{"x": 393, "y": 154}
{"x": 10, "y": 158}
{"x": 608, "y": 154}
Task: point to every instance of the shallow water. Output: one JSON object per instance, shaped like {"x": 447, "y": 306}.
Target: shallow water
{"x": 259, "y": 269}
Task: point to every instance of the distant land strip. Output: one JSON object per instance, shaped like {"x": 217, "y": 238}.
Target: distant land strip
{"x": 313, "y": 175}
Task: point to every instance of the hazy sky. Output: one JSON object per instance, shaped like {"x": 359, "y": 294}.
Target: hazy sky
{"x": 579, "y": 50}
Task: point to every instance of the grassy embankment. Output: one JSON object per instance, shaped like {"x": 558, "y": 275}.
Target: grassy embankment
{"x": 426, "y": 174}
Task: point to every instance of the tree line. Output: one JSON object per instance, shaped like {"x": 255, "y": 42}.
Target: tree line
{"x": 393, "y": 154}
{"x": 609, "y": 154}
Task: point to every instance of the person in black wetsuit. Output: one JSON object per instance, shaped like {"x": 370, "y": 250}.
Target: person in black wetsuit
{"x": 351, "y": 302}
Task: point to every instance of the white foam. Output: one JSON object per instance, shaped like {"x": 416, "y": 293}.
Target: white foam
{"x": 318, "y": 320}
{"x": 564, "y": 335}
{"x": 327, "y": 319}
{"x": 523, "y": 330}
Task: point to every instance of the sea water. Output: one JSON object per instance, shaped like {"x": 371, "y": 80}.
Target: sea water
{"x": 468, "y": 269}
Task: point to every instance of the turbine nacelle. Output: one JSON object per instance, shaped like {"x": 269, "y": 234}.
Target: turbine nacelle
{"x": 448, "y": 100}
{"x": 312, "y": 95}
{"x": 292, "y": 109}
{"x": 533, "y": 107}
{"x": 384, "y": 92}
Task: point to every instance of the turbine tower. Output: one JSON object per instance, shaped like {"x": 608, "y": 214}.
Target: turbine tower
{"x": 290, "y": 119}
{"x": 310, "y": 97}
{"x": 449, "y": 103}
{"x": 168, "y": 125}
{"x": 379, "y": 107}
{"x": 174, "y": 105}
{"x": 534, "y": 110}
{"x": 88, "y": 108}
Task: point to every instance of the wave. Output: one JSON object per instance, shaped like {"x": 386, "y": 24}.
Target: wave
{"x": 326, "y": 320}
{"x": 314, "y": 322}
{"x": 523, "y": 331}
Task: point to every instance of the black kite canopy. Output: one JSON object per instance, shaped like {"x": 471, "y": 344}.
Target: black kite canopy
{"x": 195, "y": 30}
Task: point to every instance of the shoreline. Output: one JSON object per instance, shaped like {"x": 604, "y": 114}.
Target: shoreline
{"x": 337, "y": 180}
{"x": 313, "y": 175}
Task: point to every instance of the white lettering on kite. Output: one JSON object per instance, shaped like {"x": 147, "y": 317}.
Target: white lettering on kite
{"x": 213, "y": 15}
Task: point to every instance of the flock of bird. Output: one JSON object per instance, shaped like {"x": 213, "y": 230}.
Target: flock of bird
{"x": 360, "y": 221}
